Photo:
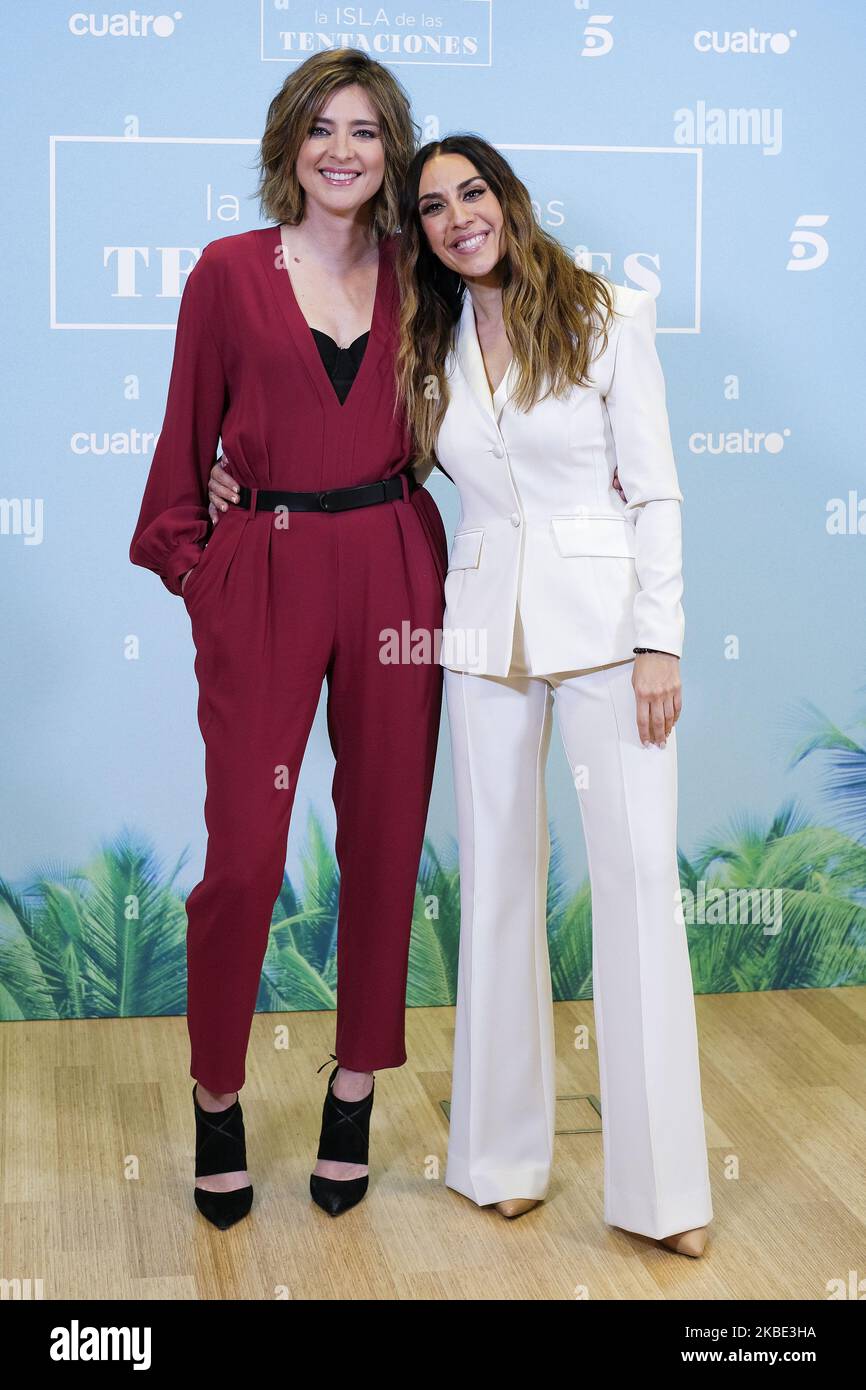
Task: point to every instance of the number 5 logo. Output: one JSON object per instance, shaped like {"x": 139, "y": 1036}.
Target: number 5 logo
{"x": 801, "y": 240}
{"x": 596, "y": 41}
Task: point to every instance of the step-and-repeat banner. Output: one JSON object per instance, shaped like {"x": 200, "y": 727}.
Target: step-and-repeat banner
{"x": 709, "y": 153}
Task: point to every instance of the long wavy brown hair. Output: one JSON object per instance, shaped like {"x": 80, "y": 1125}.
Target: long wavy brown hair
{"x": 550, "y": 306}
{"x": 291, "y": 114}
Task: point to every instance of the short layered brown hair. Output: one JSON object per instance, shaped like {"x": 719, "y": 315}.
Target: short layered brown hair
{"x": 301, "y": 98}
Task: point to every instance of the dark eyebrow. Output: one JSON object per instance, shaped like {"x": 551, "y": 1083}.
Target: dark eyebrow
{"x": 460, "y": 188}
{"x": 356, "y": 120}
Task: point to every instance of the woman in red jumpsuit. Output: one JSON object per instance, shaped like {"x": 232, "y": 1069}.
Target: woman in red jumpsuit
{"x": 297, "y": 585}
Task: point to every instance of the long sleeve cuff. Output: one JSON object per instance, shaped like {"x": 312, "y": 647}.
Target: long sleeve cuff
{"x": 174, "y": 523}
{"x": 659, "y": 620}
{"x": 637, "y": 409}
{"x": 184, "y": 558}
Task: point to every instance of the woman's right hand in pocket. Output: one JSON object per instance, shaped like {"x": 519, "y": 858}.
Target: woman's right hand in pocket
{"x": 222, "y": 489}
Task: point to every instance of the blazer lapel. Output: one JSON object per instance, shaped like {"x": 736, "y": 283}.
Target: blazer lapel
{"x": 471, "y": 361}
{"x": 502, "y": 394}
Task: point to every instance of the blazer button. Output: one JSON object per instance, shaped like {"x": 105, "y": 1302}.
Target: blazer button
{"x": 498, "y": 451}
{"x": 515, "y": 518}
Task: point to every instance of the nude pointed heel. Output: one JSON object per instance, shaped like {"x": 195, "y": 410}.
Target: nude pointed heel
{"x": 690, "y": 1243}
{"x": 516, "y": 1206}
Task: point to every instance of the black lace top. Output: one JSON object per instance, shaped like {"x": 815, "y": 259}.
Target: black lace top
{"x": 341, "y": 364}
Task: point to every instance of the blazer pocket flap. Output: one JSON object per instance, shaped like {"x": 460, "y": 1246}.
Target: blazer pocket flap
{"x": 594, "y": 535}
{"x": 465, "y": 550}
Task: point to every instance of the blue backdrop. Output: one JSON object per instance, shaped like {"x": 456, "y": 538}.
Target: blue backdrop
{"x": 709, "y": 153}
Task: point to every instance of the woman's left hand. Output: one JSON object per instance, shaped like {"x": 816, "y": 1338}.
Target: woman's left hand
{"x": 221, "y": 489}
{"x": 658, "y": 692}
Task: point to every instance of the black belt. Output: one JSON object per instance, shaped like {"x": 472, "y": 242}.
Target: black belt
{"x": 338, "y": 499}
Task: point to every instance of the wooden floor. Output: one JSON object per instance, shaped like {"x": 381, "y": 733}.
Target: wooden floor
{"x": 97, "y": 1165}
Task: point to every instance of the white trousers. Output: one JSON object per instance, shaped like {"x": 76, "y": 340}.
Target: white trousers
{"x": 656, "y": 1179}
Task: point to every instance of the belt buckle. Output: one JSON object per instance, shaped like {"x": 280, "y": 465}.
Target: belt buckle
{"x": 344, "y": 501}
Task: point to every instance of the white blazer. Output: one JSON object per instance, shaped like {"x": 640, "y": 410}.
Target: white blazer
{"x": 541, "y": 524}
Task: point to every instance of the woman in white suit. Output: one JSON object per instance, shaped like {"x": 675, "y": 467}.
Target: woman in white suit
{"x": 559, "y": 591}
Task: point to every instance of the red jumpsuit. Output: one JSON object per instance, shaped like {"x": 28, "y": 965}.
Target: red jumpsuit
{"x": 280, "y": 602}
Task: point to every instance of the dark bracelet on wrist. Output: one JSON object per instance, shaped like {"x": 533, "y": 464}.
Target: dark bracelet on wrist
{"x": 638, "y": 650}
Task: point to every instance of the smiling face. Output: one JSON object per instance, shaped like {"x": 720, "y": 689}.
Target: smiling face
{"x": 341, "y": 163}
{"x": 461, "y": 217}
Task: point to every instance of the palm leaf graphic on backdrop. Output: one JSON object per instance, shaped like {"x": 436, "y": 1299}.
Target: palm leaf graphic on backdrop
{"x": 435, "y": 937}
{"x": 108, "y": 939}
{"x": 569, "y": 931}
{"x": 300, "y": 965}
{"x": 103, "y": 940}
{"x": 819, "y": 873}
{"x": 845, "y": 772}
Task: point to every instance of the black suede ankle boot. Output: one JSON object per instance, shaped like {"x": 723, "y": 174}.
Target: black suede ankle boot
{"x": 220, "y": 1147}
{"x": 345, "y": 1138}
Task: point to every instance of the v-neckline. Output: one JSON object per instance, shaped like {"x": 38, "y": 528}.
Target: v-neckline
{"x": 470, "y": 357}
{"x": 494, "y": 392}
{"x": 303, "y": 333}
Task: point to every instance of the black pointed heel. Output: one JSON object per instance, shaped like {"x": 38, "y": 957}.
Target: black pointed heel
{"x": 220, "y": 1147}
{"x": 345, "y": 1138}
